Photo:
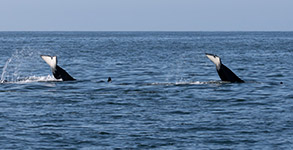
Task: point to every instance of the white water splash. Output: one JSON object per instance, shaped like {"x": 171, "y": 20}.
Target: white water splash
{"x": 22, "y": 66}
{"x": 4, "y": 70}
{"x": 30, "y": 79}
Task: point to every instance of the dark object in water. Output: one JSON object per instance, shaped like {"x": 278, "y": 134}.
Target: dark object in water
{"x": 57, "y": 71}
{"x": 109, "y": 79}
{"x": 224, "y": 72}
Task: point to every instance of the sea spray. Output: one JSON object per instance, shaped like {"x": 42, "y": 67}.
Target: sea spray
{"x": 20, "y": 65}
{"x": 4, "y": 70}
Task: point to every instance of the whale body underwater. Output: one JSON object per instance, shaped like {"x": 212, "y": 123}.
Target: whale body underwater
{"x": 224, "y": 72}
{"x": 57, "y": 71}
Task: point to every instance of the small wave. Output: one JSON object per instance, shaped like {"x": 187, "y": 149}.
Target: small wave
{"x": 30, "y": 79}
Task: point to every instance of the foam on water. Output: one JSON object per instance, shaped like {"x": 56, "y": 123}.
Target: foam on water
{"x": 30, "y": 79}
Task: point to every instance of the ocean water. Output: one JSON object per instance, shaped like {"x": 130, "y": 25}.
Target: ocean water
{"x": 165, "y": 93}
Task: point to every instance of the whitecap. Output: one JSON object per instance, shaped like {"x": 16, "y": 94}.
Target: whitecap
{"x": 31, "y": 79}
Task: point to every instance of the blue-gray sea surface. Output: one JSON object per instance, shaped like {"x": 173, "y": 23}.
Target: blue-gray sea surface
{"x": 165, "y": 93}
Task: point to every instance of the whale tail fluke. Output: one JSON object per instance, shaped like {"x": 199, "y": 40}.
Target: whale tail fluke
{"x": 57, "y": 71}
{"x": 50, "y": 60}
{"x": 215, "y": 59}
{"x": 224, "y": 72}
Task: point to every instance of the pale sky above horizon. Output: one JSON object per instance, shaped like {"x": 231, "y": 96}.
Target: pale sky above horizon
{"x": 146, "y": 15}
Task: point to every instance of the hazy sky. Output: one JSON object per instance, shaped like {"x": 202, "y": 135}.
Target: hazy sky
{"x": 146, "y": 15}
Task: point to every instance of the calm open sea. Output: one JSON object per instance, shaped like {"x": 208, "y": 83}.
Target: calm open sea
{"x": 165, "y": 93}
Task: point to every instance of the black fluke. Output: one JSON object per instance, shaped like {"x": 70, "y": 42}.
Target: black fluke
{"x": 227, "y": 75}
{"x": 224, "y": 72}
{"x": 60, "y": 73}
{"x": 57, "y": 71}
